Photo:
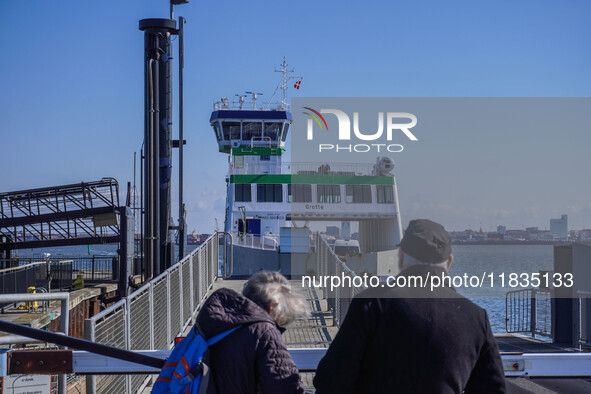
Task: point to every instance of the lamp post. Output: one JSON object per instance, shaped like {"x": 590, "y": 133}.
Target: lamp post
{"x": 181, "y": 142}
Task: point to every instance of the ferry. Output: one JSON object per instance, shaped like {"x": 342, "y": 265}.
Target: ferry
{"x": 271, "y": 202}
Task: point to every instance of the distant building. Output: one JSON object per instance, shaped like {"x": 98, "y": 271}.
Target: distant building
{"x": 559, "y": 227}
{"x": 516, "y": 235}
{"x": 458, "y": 236}
{"x": 495, "y": 236}
{"x": 585, "y": 235}
{"x": 540, "y": 236}
{"x": 501, "y": 230}
{"x": 531, "y": 229}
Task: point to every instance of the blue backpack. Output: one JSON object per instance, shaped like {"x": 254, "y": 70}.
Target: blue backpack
{"x": 185, "y": 370}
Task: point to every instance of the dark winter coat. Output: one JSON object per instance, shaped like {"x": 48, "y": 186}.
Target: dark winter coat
{"x": 252, "y": 359}
{"x": 410, "y": 341}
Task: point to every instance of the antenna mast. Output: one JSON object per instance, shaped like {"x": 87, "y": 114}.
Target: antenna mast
{"x": 283, "y": 83}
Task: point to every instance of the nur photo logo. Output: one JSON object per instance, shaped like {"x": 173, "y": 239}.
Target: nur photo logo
{"x": 390, "y": 122}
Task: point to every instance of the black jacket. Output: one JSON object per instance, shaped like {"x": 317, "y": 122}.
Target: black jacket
{"x": 412, "y": 341}
{"x": 252, "y": 359}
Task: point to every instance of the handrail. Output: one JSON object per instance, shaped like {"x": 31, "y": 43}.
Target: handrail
{"x": 34, "y": 264}
{"x": 243, "y": 240}
{"x": 521, "y": 312}
{"x": 272, "y": 239}
{"x": 263, "y": 139}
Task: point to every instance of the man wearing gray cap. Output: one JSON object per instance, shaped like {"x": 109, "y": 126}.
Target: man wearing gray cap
{"x": 414, "y": 339}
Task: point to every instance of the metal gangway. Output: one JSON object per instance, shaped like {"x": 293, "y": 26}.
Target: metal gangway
{"x": 77, "y": 214}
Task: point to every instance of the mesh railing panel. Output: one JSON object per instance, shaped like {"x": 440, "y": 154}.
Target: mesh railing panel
{"x": 161, "y": 315}
{"x": 111, "y": 331}
{"x": 216, "y": 253}
{"x": 137, "y": 381}
{"x": 175, "y": 302}
{"x": 196, "y": 276}
{"x": 213, "y": 257}
{"x": 139, "y": 314}
{"x": 202, "y": 273}
{"x": 186, "y": 268}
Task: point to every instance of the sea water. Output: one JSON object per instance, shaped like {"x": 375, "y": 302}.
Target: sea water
{"x": 496, "y": 260}
{"x": 468, "y": 259}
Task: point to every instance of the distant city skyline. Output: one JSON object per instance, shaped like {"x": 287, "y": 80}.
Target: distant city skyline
{"x": 72, "y": 102}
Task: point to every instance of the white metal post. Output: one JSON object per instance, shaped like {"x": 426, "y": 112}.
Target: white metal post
{"x": 181, "y": 291}
{"x": 89, "y": 334}
{"x": 168, "y": 314}
{"x": 127, "y": 330}
{"x": 191, "y": 287}
{"x": 151, "y": 314}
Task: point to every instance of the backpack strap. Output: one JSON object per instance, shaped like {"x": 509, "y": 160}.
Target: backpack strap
{"x": 216, "y": 338}
{"x": 204, "y": 379}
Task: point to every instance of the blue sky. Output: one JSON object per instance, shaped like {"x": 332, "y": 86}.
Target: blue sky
{"x": 72, "y": 82}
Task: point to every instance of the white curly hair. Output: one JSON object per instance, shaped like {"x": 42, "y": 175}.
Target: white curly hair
{"x": 272, "y": 292}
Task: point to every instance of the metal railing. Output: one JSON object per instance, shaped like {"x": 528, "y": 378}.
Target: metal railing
{"x": 583, "y": 318}
{"x": 338, "y": 298}
{"x": 154, "y": 315}
{"x": 48, "y": 275}
{"x": 224, "y": 104}
{"x": 351, "y": 169}
{"x": 97, "y": 268}
{"x": 266, "y": 242}
{"x": 64, "y": 299}
{"x": 17, "y": 280}
{"x": 529, "y": 311}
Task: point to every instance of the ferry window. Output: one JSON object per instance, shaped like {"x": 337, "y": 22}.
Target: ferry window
{"x": 385, "y": 194}
{"x": 299, "y": 193}
{"x": 231, "y": 130}
{"x": 358, "y": 194}
{"x": 265, "y": 158}
{"x": 273, "y": 130}
{"x": 251, "y": 130}
{"x": 328, "y": 193}
{"x": 218, "y": 131}
{"x": 242, "y": 192}
{"x": 285, "y": 131}
{"x": 269, "y": 192}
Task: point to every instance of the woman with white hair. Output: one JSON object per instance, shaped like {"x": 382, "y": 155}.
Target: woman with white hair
{"x": 254, "y": 358}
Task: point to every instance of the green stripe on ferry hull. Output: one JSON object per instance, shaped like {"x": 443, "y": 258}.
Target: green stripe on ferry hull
{"x": 314, "y": 179}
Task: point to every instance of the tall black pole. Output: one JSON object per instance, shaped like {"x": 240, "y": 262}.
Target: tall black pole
{"x": 157, "y": 139}
{"x": 182, "y": 234}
